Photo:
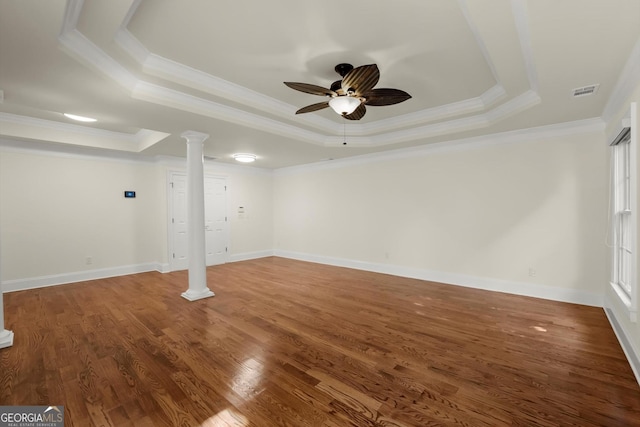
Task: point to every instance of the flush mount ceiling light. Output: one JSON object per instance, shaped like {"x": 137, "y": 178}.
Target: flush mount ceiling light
{"x": 349, "y": 95}
{"x": 79, "y": 118}
{"x": 245, "y": 157}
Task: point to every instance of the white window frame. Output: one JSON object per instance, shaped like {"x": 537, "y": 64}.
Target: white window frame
{"x": 624, "y": 279}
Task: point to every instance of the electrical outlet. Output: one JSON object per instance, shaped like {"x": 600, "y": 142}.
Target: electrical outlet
{"x": 88, "y": 260}
{"x": 532, "y": 272}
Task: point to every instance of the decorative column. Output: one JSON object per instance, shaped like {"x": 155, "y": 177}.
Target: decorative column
{"x": 195, "y": 213}
{"x": 6, "y": 337}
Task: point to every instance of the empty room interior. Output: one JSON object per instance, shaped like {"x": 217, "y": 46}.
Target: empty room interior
{"x": 291, "y": 213}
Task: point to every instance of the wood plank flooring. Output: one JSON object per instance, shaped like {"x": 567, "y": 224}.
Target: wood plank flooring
{"x": 289, "y": 343}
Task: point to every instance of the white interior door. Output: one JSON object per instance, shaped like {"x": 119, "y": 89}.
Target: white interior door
{"x": 178, "y": 241}
{"x": 216, "y": 225}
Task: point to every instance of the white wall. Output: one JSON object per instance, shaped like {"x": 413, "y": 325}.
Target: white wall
{"x": 480, "y": 217}
{"x": 57, "y": 209}
{"x": 251, "y": 231}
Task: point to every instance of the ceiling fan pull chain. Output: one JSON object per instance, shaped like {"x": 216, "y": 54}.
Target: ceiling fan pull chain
{"x": 344, "y": 131}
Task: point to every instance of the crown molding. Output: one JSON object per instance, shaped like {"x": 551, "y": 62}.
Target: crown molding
{"x": 86, "y": 52}
{"x": 594, "y": 125}
{"x": 179, "y": 164}
{"x": 628, "y": 81}
{"x": 420, "y": 117}
{"x": 175, "y": 72}
{"x": 129, "y": 44}
{"x": 468, "y": 106}
{"x": 514, "y": 106}
{"x": 30, "y": 127}
{"x": 479, "y": 40}
{"x": 521, "y": 17}
{"x": 71, "y": 15}
{"x": 36, "y": 147}
{"x": 132, "y": 10}
{"x": 180, "y": 100}
{"x": 367, "y": 135}
{"x": 106, "y": 155}
{"x": 493, "y": 95}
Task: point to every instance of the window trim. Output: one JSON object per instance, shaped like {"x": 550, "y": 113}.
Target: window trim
{"x": 624, "y": 193}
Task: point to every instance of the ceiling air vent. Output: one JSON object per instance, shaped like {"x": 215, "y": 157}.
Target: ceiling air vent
{"x": 209, "y": 157}
{"x": 585, "y": 90}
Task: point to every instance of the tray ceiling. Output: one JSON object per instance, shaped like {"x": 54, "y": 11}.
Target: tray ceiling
{"x": 149, "y": 70}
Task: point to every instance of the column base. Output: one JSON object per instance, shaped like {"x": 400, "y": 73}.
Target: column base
{"x": 6, "y": 338}
{"x": 196, "y": 295}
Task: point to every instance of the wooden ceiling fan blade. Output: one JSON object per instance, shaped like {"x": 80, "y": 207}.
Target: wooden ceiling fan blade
{"x": 357, "y": 114}
{"x": 337, "y": 87}
{"x": 380, "y": 97}
{"x": 313, "y": 107}
{"x": 361, "y": 79}
{"x": 309, "y": 88}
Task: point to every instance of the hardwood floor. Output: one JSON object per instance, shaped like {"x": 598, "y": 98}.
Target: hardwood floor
{"x": 288, "y": 343}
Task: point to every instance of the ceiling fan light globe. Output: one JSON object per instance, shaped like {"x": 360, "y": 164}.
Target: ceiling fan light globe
{"x": 344, "y": 105}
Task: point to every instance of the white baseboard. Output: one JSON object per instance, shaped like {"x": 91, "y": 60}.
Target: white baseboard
{"x": 629, "y": 351}
{"x": 250, "y": 255}
{"x": 80, "y": 276}
{"x": 518, "y": 288}
{"x": 633, "y": 356}
{"x": 163, "y": 268}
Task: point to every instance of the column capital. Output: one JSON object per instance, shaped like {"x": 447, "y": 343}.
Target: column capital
{"x": 193, "y": 136}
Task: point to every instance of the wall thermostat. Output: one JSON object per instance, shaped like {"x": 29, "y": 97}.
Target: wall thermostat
{"x": 129, "y": 194}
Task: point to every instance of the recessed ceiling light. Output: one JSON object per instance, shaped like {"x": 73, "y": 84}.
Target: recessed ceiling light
{"x": 79, "y": 118}
{"x": 245, "y": 157}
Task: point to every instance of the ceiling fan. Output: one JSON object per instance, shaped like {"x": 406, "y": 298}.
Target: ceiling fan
{"x": 350, "y": 95}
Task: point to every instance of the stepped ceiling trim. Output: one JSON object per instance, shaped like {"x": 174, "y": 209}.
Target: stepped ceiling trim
{"x": 594, "y": 125}
{"x": 580, "y": 127}
{"x": 48, "y": 130}
{"x": 143, "y": 66}
{"x": 412, "y": 126}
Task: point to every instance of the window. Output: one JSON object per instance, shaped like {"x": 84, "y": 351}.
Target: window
{"x": 623, "y": 206}
{"x": 622, "y": 252}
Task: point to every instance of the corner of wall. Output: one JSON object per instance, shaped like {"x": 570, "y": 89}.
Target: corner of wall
{"x": 633, "y": 354}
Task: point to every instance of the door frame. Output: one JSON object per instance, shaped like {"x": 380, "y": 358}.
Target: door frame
{"x": 169, "y": 191}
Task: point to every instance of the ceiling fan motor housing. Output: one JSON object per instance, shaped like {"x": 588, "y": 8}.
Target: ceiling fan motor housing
{"x": 343, "y": 69}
